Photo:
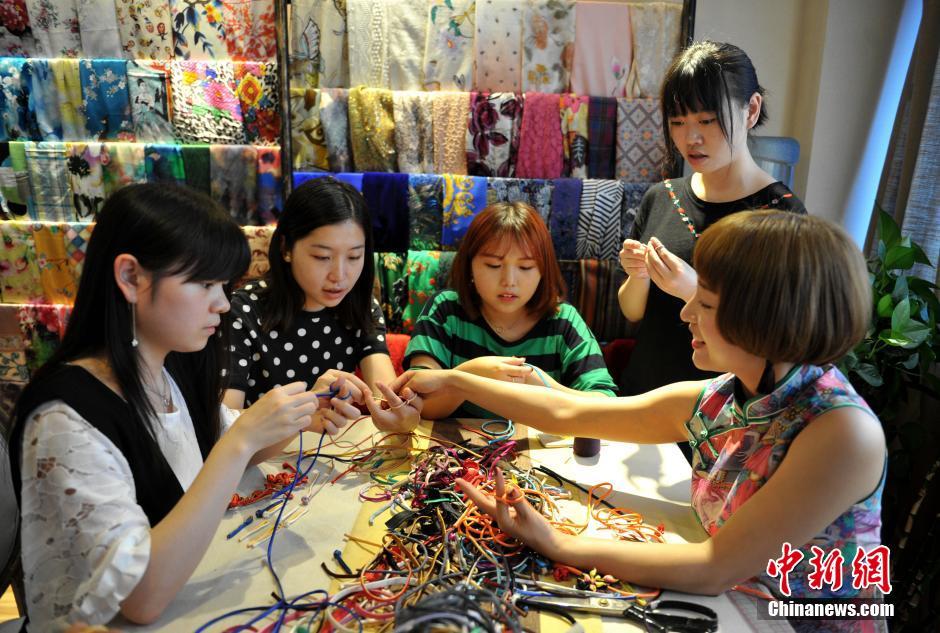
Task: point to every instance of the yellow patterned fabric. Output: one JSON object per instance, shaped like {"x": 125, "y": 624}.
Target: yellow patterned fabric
{"x": 56, "y": 274}
{"x": 450, "y": 112}
{"x": 372, "y": 129}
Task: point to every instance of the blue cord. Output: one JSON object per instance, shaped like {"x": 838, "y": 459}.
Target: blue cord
{"x": 538, "y": 372}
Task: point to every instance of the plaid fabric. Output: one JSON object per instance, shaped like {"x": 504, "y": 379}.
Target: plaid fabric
{"x": 602, "y": 132}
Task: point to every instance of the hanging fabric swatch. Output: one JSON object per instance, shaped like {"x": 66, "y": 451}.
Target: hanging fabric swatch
{"x": 548, "y": 45}
{"x": 49, "y": 181}
{"x": 250, "y": 33}
{"x": 574, "y": 134}
{"x": 390, "y": 270}
{"x": 656, "y": 27}
{"x": 408, "y": 21}
{"x": 464, "y": 197}
{"x": 86, "y": 178}
{"x": 55, "y": 27}
{"x": 414, "y": 132}
{"x": 367, "y": 25}
{"x": 497, "y": 60}
{"x": 493, "y": 133}
{"x": 42, "y": 327}
{"x": 563, "y": 224}
{"x": 603, "y": 50}
{"x": 372, "y": 129}
{"x": 107, "y": 100}
{"x": 19, "y": 272}
{"x": 68, "y": 86}
{"x": 144, "y": 28}
{"x": 205, "y": 107}
{"x": 599, "y": 219}
{"x": 448, "y": 50}
{"x": 319, "y": 52}
{"x": 196, "y": 167}
{"x": 14, "y": 181}
{"x": 234, "y": 174}
{"x": 633, "y": 193}
{"x": 387, "y": 198}
{"x": 148, "y": 83}
{"x": 537, "y": 193}
{"x": 97, "y": 23}
{"x": 164, "y": 163}
{"x": 259, "y": 243}
{"x": 307, "y": 138}
{"x": 353, "y": 179}
{"x": 14, "y": 96}
{"x": 43, "y": 118}
{"x": 256, "y": 87}
{"x": 541, "y": 154}
{"x": 640, "y": 145}
{"x": 77, "y": 235}
{"x": 426, "y": 273}
{"x": 602, "y": 133}
{"x": 334, "y": 117}
{"x": 56, "y": 274}
{"x": 450, "y": 112}
{"x": 16, "y": 34}
{"x": 270, "y": 194}
{"x": 425, "y": 210}
{"x": 123, "y": 164}
{"x": 198, "y": 30}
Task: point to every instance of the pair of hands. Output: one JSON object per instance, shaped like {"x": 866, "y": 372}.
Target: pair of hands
{"x": 655, "y": 262}
{"x": 505, "y": 368}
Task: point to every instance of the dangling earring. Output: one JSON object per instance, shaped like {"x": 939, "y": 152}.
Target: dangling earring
{"x": 134, "y": 342}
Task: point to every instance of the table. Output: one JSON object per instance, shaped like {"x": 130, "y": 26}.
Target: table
{"x": 653, "y": 480}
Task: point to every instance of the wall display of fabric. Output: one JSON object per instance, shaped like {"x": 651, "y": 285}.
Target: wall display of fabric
{"x": 13, "y": 99}
{"x": 250, "y": 31}
{"x": 387, "y": 198}
{"x": 390, "y": 271}
{"x": 49, "y": 181}
{"x": 641, "y": 148}
{"x": 147, "y": 83}
{"x": 55, "y": 27}
{"x": 541, "y": 154}
{"x": 493, "y": 133}
{"x": 448, "y": 49}
{"x": 426, "y": 273}
{"x": 319, "y": 53}
{"x": 259, "y": 241}
{"x": 107, "y": 99}
{"x": 164, "y": 163}
{"x": 497, "y": 59}
{"x": 43, "y": 119}
{"x": 563, "y": 221}
{"x": 548, "y": 45}
{"x": 367, "y": 28}
{"x": 307, "y": 139}
{"x": 270, "y": 191}
{"x": 123, "y": 164}
{"x": 256, "y": 84}
{"x": 16, "y": 34}
{"x": 464, "y": 197}
{"x": 656, "y": 28}
{"x": 205, "y": 106}
{"x": 408, "y": 22}
{"x": 602, "y": 133}
{"x": 86, "y": 179}
{"x": 450, "y": 111}
{"x": 603, "y": 50}
{"x": 19, "y": 272}
{"x": 537, "y": 193}
{"x": 199, "y": 30}
{"x": 372, "y": 129}
{"x": 592, "y": 289}
{"x": 42, "y": 326}
{"x": 68, "y": 86}
{"x": 196, "y": 167}
{"x": 97, "y": 22}
{"x": 15, "y": 194}
{"x": 144, "y": 28}
{"x": 599, "y": 219}
{"x": 233, "y": 171}
{"x": 633, "y": 193}
{"x": 425, "y": 211}
{"x": 56, "y": 275}
{"x": 334, "y": 117}
{"x": 574, "y": 134}
{"x": 77, "y": 235}
{"x": 414, "y": 131}
{"x": 13, "y": 371}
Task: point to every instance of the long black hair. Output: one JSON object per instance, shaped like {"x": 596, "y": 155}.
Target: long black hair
{"x": 318, "y": 202}
{"x": 171, "y": 230}
{"x": 709, "y": 77}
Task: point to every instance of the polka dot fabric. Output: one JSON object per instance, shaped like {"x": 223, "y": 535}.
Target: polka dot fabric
{"x": 316, "y": 343}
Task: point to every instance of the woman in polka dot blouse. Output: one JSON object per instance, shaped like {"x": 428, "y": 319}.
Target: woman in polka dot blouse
{"x": 313, "y": 317}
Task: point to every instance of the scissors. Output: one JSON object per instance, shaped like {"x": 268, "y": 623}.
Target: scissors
{"x": 660, "y": 616}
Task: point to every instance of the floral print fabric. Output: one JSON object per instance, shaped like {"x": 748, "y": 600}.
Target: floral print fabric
{"x": 144, "y": 28}
{"x": 257, "y": 90}
{"x": 43, "y": 119}
{"x": 205, "y": 107}
{"x": 86, "y": 178}
{"x": 122, "y": 164}
{"x": 640, "y": 144}
{"x": 603, "y": 49}
{"x": 198, "y": 29}
{"x": 493, "y": 133}
{"x": 548, "y": 45}
{"x": 497, "y": 64}
{"x": 55, "y": 27}
{"x": 426, "y": 274}
{"x": 18, "y": 269}
{"x": 656, "y": 42}
{"x": 107, "y": 100}
{"x": 574, "y": 134}
{"x": 372, "y": 129}
{"x": 249, "y": 27}
{"x": 464, "y": 197}
{"x": 16, "y": 34}
{"x": 425, "y": 211}
{"x": 56, "y": 274}
{"x": 98, "y": 28}
{"x": 13, "y": 99}
{"x": 414, "y": 132}
{"x": 537, "y": 193}
{"x": 148, "y": 83}
{"x": 319, "y": 52}
{"x": 540, "y": 142}
{"x": 448, "y": 50}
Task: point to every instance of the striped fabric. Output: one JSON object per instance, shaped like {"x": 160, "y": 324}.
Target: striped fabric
{"x": 599, "y": 219}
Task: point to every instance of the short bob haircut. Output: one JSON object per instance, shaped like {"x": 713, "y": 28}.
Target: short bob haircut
{"x": 315, "y": 203}
{"x": 521, "y": 223}
{"x": 793, "y": 288}
{"x": 709, "y": 77}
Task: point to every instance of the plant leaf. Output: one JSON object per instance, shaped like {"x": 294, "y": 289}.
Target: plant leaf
{"x": 900, "y": 291}
{"x": 899, "y": 257}
{"x": 888, "y": 229}
{"x": 892, "y": 338}
{"x": 885, "y": 306}
{"x": 917, "y": 332}
{"x": 920, "y": 256}
{"x": 901, "y": 315}
{"x": 869, "y": 373}
{"x": 911, "y": 362}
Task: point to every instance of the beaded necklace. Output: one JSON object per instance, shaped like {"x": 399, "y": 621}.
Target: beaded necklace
{"x": 682, "y": 214}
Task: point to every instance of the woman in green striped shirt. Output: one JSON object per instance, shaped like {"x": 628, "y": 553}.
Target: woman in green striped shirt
{"x": 505, "y": 316}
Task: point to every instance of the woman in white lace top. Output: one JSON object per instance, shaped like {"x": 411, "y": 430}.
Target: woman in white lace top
{"x": 126, "y": 457}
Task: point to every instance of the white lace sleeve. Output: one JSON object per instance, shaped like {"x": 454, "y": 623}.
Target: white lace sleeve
{"x": 86, "y": 542}
{"x": 227, "y": 418}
